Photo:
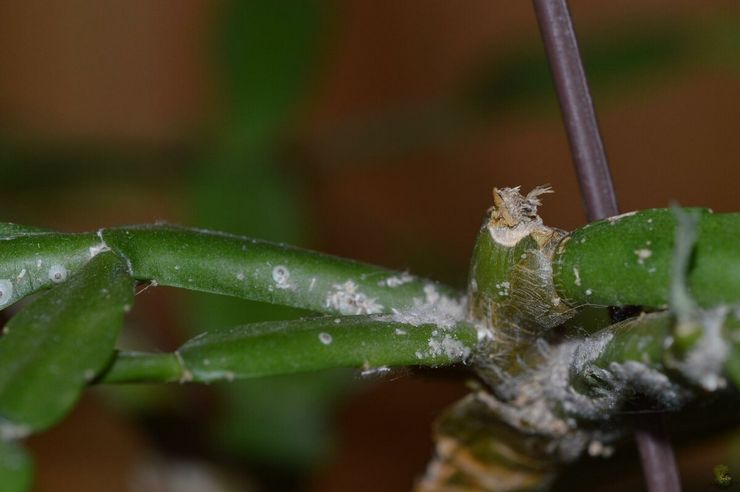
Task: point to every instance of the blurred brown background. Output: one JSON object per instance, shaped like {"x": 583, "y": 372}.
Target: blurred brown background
{"x": 368, "y": 129}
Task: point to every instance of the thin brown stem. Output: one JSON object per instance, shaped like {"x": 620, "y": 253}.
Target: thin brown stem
{"x": 578, "y": 113}
{"x": 599, "y": 196}
{"x": 656, "y": 453}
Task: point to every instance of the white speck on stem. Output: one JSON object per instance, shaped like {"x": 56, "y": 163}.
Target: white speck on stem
{"x": 598, "y": 449}
{"x": 637, "y": 376}
{"x": 400, "y": 332}
{"x": 6, "y": 291}
{"x": 668, "y": 342}
{"x": 185, "y": 374}
{"x": 705, "y": 360}
{"x": 617, "y": 218}
{"x": 642, "y": 255}
{"x": 325, "y": 338}
{"x": 577, "y": 275}
{"x": 11, "y": 432}
{"x": 396, "y": 280}
{"x": 543, "y": 347}
{"x": 346, "y": 299}
{"x": 374, "y": 371}
{"x": 97, "y": 249}
{"x": 21, "y": 274}
{"x": 57, "y": 273}
{"x": 448, "y": 346}
{"x": 281, "y": 276}
{"x": 102, "y": 247}
{"x": 240, "y": 276}
{"x": 436, "y": 309}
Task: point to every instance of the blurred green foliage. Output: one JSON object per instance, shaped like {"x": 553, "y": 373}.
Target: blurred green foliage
{"x": 16, "y": 467}
{"x": 618, "y": 61}
{"x": 267, "y": 51}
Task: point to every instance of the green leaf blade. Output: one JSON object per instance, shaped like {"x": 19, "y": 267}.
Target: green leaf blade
{"x": 304, "y": 345}
{"x": 263, "y": 349}
{"x": 16, "y": 468}
{"x": 52, "y": 348}
{"x": 262, "y": 271}
{"x": 627, "y": 260}
{"x": 268, "y": 50}
{"x": 34, "y": 260}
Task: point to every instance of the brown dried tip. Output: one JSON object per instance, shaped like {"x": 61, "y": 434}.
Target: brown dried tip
{"x": 514, "y": 216}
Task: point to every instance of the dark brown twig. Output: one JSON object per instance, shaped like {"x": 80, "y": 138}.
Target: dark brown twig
{"x": 579, "y": 117}
{"x": 656, "y": 452}
{"x": 600, "y": 200}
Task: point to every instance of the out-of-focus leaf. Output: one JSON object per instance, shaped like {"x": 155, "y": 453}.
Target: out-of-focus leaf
{"x": 283, "y": 421}
{"x": 719, "y": 42}
{"x": 16, "y": 468}
{"x": 615, "y": 60}
{"x": 618, "y": 61}
{"x": 267, "y": 49}
{"x": 53, "y": 347}
{"x": 245, "y": 191}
